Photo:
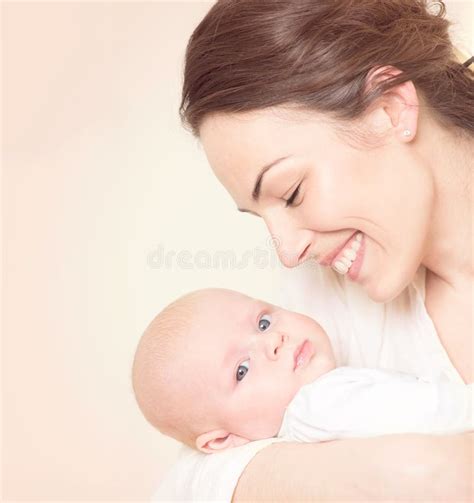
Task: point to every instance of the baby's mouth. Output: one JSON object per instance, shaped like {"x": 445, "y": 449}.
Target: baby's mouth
{"x": 303, "y": 354}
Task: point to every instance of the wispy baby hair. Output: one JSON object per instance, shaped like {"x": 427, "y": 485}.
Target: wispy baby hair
{"x": 156, "y": 369}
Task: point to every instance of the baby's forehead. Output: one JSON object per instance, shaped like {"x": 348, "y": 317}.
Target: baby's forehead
{"x": 220, "y": 303}
{"x": 220, "y": 311}
{"x": 216, "y": 326}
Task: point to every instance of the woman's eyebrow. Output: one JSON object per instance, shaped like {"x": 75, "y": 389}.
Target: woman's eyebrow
{"x": 258, "y": 182}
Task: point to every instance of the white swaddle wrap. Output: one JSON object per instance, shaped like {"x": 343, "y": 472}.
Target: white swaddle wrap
{"x": 349, "y": 402}
{"x": 398, "y": 335}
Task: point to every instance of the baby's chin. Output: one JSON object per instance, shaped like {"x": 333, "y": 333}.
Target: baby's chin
{"x": 317, "y": 368}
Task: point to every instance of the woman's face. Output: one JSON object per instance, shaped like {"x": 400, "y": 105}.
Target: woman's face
{"x": 316, "y": 192}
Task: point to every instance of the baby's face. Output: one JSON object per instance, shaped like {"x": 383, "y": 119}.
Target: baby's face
{"x": 251, "y": 358}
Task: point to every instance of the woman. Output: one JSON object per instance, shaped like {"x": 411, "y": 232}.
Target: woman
{"x": 327, "y": 119}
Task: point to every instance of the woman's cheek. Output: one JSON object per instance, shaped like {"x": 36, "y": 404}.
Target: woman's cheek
{"x": 317, "y": 212}
{"x": 329, "y": 198}
{"x": 326, "y": 211}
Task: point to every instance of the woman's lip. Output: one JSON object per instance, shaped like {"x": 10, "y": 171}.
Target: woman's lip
{"x": 354, "y": 270}
{"x": 328, "y": 259}
{"x": 303, "y": 354}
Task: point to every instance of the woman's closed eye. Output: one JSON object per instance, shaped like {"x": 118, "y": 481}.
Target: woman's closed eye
{"x": 292, "y": 199}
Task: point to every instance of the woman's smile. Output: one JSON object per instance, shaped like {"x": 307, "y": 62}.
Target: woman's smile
{"x": 334, "y": 255}
{"x": 349, "y": 259}
{"x": 345, "y": 259}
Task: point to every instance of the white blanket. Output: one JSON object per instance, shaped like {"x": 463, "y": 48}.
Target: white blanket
{"x": 349, "y": 402}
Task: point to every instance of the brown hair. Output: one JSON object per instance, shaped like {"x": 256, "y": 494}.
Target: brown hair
{"x": 251, "y": 54}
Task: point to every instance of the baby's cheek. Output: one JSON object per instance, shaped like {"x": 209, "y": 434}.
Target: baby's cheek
{"x": 284, "y": 395}
{"x": 268, "y": 425}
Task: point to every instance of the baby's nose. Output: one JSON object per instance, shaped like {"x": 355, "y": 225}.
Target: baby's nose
{"x": 273, "y": 344}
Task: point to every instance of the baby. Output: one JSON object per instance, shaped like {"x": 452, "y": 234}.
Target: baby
{"x": 217, "y": 369}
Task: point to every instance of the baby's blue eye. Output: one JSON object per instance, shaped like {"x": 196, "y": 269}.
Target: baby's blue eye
{"x": 264, "y": 322}
{"x": 242, "y": 370}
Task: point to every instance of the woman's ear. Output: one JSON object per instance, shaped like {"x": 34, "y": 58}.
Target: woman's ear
{"x": 218, "y": 441}
{"x": 396, "y": 108}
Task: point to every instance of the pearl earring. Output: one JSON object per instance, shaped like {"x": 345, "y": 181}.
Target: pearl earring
{"x": 407, "y": 132}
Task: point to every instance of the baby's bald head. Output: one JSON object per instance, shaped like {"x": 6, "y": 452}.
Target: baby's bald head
{"x": 167, "y": 397}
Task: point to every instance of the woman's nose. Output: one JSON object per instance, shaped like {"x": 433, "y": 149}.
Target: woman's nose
{"x": 292, "y": 244}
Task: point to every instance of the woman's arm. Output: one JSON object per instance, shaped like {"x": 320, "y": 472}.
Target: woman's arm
{"x": 401, "y": 467}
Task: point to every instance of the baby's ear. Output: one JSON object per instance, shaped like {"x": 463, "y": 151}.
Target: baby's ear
{"x": 218, "y": 441}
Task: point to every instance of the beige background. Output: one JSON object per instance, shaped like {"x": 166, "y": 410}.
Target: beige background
{"x": 100, "y": 185}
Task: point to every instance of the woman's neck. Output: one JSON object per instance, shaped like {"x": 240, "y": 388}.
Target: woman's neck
{"x": 449, "y": 248}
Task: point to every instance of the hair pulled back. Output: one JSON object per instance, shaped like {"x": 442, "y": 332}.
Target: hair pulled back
{"x": 251, "y": 54}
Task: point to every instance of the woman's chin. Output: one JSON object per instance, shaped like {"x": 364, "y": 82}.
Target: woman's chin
{"x": 383, "y": 290}
{"x": 383, "y": 283}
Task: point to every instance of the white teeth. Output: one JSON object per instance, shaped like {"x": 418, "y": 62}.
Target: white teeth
{"x": 341, "y": 267}
{"x": 349, "y": 254}
{"x": 347, "y": 262}
{"x": 355, "y": 245}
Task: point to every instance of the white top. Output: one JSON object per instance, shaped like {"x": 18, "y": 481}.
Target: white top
{"x": 353, "y": 402}
{"x": 398, "y": 335}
